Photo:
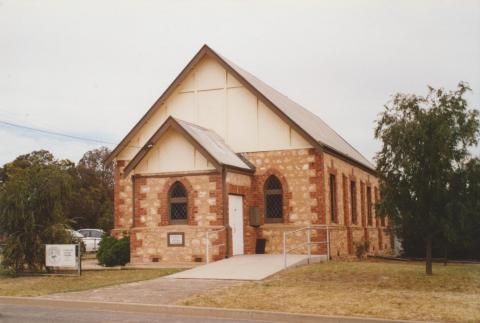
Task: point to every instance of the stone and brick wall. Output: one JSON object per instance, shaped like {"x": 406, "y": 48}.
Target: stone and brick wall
{"x": 296, "y": 170}
{"x": 142, "y": 207}
{"x": 150, "y": 245}
{"x": 346, "y": 234}
{"x": 151, "y": 225}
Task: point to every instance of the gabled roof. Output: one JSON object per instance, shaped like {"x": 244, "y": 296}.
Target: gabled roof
{"x": 314, "y": 129}
{"x": 205, "y": 140}
{"x": 309, "y": 121}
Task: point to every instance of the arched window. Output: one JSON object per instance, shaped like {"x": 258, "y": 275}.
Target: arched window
{"x": 178, "y": 210}
{"x": 273, "y": 200}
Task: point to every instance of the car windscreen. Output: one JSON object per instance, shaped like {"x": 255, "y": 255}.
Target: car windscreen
{"x": 96, "y": 234}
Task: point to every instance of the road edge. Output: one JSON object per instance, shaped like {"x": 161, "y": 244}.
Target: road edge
{"x": 179, "y": 310}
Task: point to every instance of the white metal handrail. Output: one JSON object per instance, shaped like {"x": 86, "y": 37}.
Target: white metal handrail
{"x": 308, "y": 242}
{"x": 207, "y": 242}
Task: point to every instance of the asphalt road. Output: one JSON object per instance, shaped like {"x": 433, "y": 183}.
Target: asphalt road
{"x": 39, "y": 314}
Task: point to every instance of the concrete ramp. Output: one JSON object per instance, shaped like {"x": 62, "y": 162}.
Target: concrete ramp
{"x": 244, "y": 267}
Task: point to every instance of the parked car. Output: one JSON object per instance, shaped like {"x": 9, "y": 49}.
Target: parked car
{"x": 91, "y": 238}
{"x": 77, "y": 238}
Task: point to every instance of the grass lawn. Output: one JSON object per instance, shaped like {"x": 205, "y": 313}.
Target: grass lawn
{"x": 393, "y": 290}
{"x": 42, "y": 285}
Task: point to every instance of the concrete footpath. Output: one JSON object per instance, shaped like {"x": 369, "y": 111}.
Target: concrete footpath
{"x": 244, "y": 267}
{"x": 200, "y": 314}
{"x": 160, "y": 290}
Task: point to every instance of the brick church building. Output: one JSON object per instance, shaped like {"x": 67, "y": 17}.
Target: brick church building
{"x": 222, "y": 152}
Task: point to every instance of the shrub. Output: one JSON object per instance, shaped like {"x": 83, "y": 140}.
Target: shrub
{"x": 113, "y": 252}
{"x": 361, "y": 249}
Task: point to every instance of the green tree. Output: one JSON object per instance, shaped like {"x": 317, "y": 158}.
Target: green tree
{"x": 463, "y": 210}
{"x": 32, "y": 204}
{"x": 425, "y": 145}
{"x": 2, "y": 176}
{"x": 92, "y": 201}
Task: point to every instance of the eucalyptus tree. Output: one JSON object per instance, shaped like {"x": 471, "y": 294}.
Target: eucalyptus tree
{"x": 426, "y": 142}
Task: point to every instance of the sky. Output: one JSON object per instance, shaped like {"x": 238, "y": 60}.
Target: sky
{"x": 91, "y": 69}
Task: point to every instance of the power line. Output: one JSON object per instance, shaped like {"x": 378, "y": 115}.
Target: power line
{"x": 54, "y": 133}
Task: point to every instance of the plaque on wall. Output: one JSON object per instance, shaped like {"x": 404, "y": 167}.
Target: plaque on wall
{"x": 176, "y": 239}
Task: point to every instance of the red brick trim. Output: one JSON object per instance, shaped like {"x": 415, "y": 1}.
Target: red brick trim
{"x": 123, "y": 203}
{"x": 287, "y": 195}
{"x": 358, "y": 212}
{"x": 135, "y": 244}
{"x": 117, "y": 188}
{"x": 222, "y": 248}
{"x": 178, "y": 174}
{"x": 218, "y": 195}
{"x": 367, "y": 237}
{"x": 333, "y": 171}
{"x": 138, "y": 211}
{"x": 346, "y": 200}
{"x": 319, "y": 180}
{"x": 350, "y": 240}
{"x": 363, "y": 204}
{"x": 380, "y": 239}
{"x": 369, "y": 208}
{"x": 164, "y": 201}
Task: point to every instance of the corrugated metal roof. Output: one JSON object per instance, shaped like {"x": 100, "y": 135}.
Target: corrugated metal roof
{"x": 310, "y": 122}
{"x": 214, "y": 144}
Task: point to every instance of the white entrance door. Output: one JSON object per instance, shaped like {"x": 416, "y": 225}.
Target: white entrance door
{"x": 235, "y": 219}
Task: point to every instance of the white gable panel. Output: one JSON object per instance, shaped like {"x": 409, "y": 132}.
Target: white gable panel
{"x": 296, "y": 140}
{"x": 215, "y": 99}
{"x": 182, "y": 106}
{"x": 242, "y": 120}
{"x": 273, "y": 131}
{"x": 188, "y": 84}
{"x": 210, "y": 75}
{"x": 232, "y": 81}
{"x": 172, "y": 153}
{"x": 212, "y": 112}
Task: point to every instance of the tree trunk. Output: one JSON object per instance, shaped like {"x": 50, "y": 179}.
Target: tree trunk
{"x": 428, "y": 258}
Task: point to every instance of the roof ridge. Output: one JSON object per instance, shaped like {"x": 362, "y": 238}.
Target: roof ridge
{"x": 316, "y": 131}
{"x": 190, "y": 123}
{"x": 210, "y": 131}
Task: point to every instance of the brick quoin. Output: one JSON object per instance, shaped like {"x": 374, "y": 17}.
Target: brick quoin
{"x": 217, "y": 193}
{"x": 135, "y": 244}
{"x": 117, "y": 188}
{"x": 220, "y": 243}
{"x": 319, "y": 180}
{"x": 138, "y": 184}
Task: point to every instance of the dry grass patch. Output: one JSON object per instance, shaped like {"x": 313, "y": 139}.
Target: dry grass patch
{"x": 43, "y": 285}
{"x": 390, "y": 290}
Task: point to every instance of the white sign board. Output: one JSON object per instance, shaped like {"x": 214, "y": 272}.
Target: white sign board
{"x": 60, "y": 255}
{"x": 175, "y": 239}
